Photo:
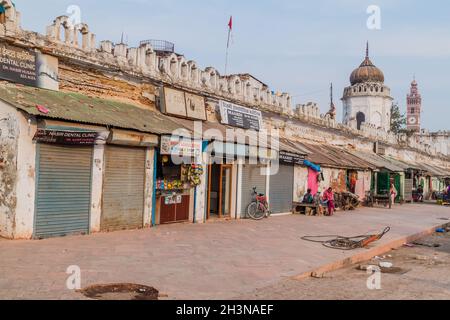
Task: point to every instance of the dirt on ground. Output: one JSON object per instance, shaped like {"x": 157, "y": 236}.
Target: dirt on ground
{"x": 120, "y": 291}
{"x": 419, "y": 271}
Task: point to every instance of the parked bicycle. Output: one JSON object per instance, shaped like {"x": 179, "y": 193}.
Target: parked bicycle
{"x": 259, "y": 208}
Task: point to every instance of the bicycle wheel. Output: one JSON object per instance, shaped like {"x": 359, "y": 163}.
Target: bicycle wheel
{"x": 254, "y": 212}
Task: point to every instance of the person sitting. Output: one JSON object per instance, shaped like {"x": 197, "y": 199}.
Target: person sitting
{"x": 420, "y": 194}
{"x": 308, "y": 197}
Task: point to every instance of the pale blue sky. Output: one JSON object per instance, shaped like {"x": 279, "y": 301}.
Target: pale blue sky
{"x": 294, "y": 46}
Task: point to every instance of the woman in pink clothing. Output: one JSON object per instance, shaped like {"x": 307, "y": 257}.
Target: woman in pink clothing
{"x": 329, "y": 197}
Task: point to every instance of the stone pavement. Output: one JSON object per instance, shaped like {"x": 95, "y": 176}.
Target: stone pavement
{"x": 218, "y": 260}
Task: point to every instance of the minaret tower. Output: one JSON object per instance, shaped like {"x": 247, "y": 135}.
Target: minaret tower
{"x": 414, "y": 103}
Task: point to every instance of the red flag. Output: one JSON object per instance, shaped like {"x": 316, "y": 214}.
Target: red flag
{"x": 230, "y": 24}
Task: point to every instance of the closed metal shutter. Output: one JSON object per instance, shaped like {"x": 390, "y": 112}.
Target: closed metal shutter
{"x": 282, "y": 190}
{"x": 251, "y": 177}
{"x": 123, "y": 189}
{"x": 63, "y": 190}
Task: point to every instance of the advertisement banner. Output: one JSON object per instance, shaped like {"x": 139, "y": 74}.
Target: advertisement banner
{"x": 179, "y": 146}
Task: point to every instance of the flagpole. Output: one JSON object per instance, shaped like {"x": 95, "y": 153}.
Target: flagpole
{"x": 230, "y": 28}
{"x": 226, "y": 55}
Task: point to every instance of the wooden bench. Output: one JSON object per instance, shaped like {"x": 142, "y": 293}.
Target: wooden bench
{"x": 382, "y": 199}
{"x": 311, "y": 209}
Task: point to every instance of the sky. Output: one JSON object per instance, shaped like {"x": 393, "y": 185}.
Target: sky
{"x": 294, "y": 46}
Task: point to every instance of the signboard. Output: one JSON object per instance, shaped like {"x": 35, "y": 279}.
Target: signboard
{"x": 241, "y": 117}
{"x": 66, "y": 137}
{"x": 291, "y": 158}
{"x": 28, "y": 67}
{"x": 182, "y": 104}
{"x": 18, "y": 65}
{"x": 179, "y": 146}
{"x": 195, "y": 106}
{"x": 177, "y": 199}
{"x": 174, "y": 102}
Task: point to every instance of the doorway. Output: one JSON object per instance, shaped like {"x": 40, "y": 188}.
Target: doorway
{"x": 219, "y": 191}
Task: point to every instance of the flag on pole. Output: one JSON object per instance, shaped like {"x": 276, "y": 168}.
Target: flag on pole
{"x": 230, "y": 29}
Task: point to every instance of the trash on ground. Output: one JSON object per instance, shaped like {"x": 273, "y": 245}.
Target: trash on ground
{"x": 434, "y": 245}
{"x": 391, "y": 270}
{"x": 422, "y": 258}
{"x": 386, "y": 264}
{"x": 440, "y": 230}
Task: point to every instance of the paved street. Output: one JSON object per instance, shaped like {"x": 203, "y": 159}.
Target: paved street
{"x": 421, "y": 272}
{"x": 219, "y": 260}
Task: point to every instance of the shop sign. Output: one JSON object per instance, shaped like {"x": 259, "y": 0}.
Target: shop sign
{"x": 66, "y": 137}
{"x": 291, "y": 158}
{"x": 241, "y": 117}
{"x": 177, "y": 199}
{"x": 182, "y": 104}
{"x": 28, "y": 67}
{"x": 179, "y": 146}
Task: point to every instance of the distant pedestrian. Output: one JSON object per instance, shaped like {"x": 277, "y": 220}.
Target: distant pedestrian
{"x": 393, "y": 193}
{"x": 329, "y": 197}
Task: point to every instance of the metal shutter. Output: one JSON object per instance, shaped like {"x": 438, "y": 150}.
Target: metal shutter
{"x": 63, "y": 190}
{"x": 251, "y": 177}
{"x": 282, "y": 190}
{"x": 123, "y": 189}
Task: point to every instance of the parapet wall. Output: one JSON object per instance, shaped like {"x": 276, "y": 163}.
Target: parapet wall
{"x": 77, "y": 43}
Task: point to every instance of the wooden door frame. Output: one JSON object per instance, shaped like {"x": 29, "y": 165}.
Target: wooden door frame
{"x": 222, "y": 166}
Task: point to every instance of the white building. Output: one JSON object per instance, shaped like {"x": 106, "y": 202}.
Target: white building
{"x": 368, "y": 100}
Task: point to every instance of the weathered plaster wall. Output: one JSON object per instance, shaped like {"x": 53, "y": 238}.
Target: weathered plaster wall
{"x": 148, "y": 190}
{"x": 335, "y": 178}
{"x": 300, "y": 182}
{"x": 26, "y": 175}
{"x": 9, "y": 131}
{"x": 98, "y": 169}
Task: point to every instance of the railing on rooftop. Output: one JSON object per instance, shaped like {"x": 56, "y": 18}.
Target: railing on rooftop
{"x": 160, "y": 45}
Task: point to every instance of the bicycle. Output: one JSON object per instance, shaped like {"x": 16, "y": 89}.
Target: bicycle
{"x": 259, "y": 208}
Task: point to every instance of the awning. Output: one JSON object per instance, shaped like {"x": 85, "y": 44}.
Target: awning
{"x": 406, "y": 166}
{"x": 378, "y": 161}
{"x": 333, "y": 157}
{"x": 84, "y": 109}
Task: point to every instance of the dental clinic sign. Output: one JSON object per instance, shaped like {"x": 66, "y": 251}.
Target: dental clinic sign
{"x": 240, "y": 117}
{"x": 18, "y": 65}
{"x": 28, "y": 67}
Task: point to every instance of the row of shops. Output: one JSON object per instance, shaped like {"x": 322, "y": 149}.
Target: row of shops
{"x": 102, "y": 166}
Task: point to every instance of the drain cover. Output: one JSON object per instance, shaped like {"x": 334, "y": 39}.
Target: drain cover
{"x": 120, "y": 291}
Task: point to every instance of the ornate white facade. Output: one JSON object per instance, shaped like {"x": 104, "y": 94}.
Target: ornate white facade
{"x": 368, "y": 100}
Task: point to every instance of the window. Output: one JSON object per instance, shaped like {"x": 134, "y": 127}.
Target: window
{"x": 413, "y": 110}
